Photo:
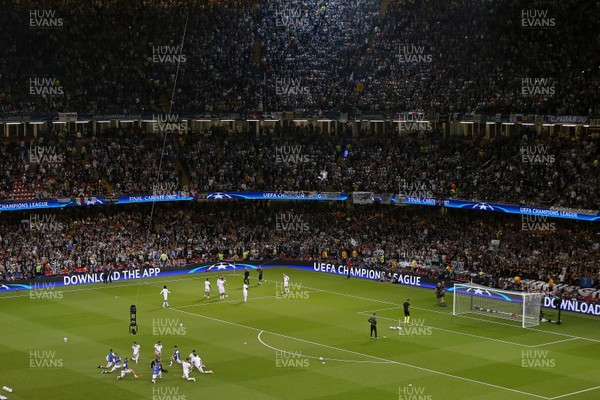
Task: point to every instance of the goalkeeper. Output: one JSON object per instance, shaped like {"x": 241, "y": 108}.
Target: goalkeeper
{"x": 440, "y": 294}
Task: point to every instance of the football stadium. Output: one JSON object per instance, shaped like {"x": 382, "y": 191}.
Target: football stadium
{"x": 300, "y": 199}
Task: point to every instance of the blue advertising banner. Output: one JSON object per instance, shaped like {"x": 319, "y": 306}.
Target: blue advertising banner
{"x": 151, "y": 198}
{"x": 49, "y": 283}
{"x": 92, "y": 201}
{"x": 543, "y": 212}
{"x": 582, "y": 215}
{"x": 33, "y": 205}
{"x": 289, "y": 195}
{"x": 550, "y": 212}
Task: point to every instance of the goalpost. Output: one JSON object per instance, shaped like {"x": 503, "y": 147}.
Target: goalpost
{"x": 470, "y": 298}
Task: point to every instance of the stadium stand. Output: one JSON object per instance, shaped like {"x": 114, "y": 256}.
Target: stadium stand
{"x": 468, "y": 168}
{"x": 442, "y": 244}
{"x": 242, "y": 55}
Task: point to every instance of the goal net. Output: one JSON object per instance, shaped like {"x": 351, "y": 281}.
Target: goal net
{"x": 469, "y": 298}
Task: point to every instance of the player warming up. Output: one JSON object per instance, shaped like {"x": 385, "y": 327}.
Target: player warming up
{"x": 127, "y": 370}
{"x": 158, "y": 349}
{"x": 406, "y": 306}
{"x": 175, "y": 357}
{"x": 260, "y": 275}
{"x": 165, "y": 293}
{"x": 373, "y": 322}
{"x": 156, "y": 371}
{"x": 136, "y": 352}
{"x": 197, "y": 363}
{"x": 246, "y": 276}
{"x": 116, "y": 365}
{"x": 110, "y": 360}
{"x": 207, "y": 289}
{"x": 221, "y": 286}
{"x": 286, "y": 283}
{"x": 187, "y": 368}
{"x": 245, "y": 292}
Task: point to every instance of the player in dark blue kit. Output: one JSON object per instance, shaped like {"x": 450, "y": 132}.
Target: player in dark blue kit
{"x": 116, "y": 364}
{"x": 110, "y": 360}
{"x": 175, "y": 357}
{"x": 156, "y": 371}
{"x": 126, "y": 370}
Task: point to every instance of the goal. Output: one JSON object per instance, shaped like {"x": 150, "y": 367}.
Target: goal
{"x": 469, "y": 298}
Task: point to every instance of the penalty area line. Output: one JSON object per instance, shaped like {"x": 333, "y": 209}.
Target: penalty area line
{"x": 431, "y": 371}
{"x": 444, "y": 313}
{"x": 473, "y": 335}
{"x": 457, "y": 332}
{"x": 572, "y": 393}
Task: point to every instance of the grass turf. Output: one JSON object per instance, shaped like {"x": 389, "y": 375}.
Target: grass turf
{"x": 271, "y": 347}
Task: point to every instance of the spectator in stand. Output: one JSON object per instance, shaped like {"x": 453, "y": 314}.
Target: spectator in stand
{"x": 92, "y": 239}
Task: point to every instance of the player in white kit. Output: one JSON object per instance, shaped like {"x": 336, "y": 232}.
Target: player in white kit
{"x": 286, "y": 283}
{"x": 165, "y": 292}
{"x": 158, "y": 349}
{"x": 245, "y": 292}
{"x": 221, "y": 287}
{"x": 197, "y": 363}
{"x": 206, "y": 289}
{"x": 136, "y": 352}
{"x": 187, "y": 368}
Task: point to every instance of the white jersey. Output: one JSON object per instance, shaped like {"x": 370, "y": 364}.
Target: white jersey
{"x": 136, "y": 349}
{"x": 221, "y": 285}
{"x": 187, "y": 367}
{"x": 286, "y": 281}
{"x": 165, "y": 292}
{"x": 196, "y": 360}
{"x": 158, "y": 348}
{"x": 207, "y": 286}
{"x": 245, "y": 289}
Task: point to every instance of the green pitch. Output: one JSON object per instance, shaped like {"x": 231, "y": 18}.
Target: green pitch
{"x": 311, "y": 344}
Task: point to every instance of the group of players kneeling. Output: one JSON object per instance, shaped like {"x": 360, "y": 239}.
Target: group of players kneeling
{"x": 115, "y": 362}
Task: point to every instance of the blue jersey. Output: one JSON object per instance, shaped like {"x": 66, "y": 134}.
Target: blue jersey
{"x": 111, "y": 357}
{"x": 176, "y": 355}
{"x": 156, "y": 369}
{"x": 125, "y": 364}
{"x": 117, "y": 360}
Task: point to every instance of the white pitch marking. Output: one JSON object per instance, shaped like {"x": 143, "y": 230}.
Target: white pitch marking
{"x": 116, "y": 285}
{"x": 319, "y": 358}
{"x": 558, "y": 341}
{"x": 368, "y": 312}
{"x": 214, "y": 303}
{"x": 368, "y": 356}
{"x": 460, "y": 333}
{"x": 572, "y": 393}
{"x": 448, "y": 314}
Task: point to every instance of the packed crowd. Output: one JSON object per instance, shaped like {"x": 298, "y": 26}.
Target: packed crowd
{"x": 245, "y": 55}
{"x": 506, "y": 169}
{"x": 86, "y": 240}
{"x": 480, "y": 53}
